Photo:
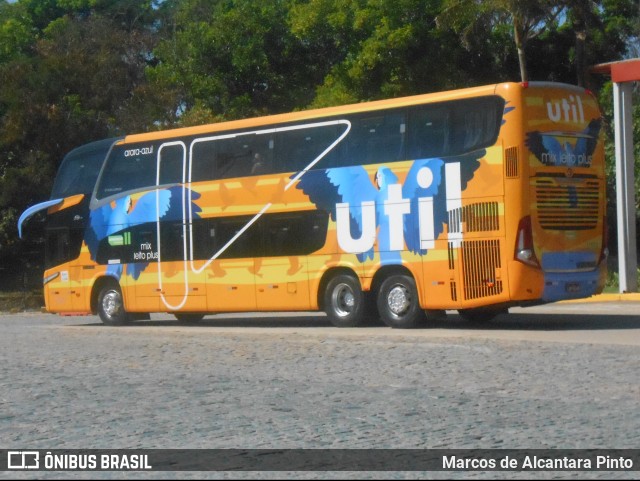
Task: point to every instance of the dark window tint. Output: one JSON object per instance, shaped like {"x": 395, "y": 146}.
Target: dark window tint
{"x": 432, "y": 130}
{"x": 172, "y": 160}
{"x": 245, "y": 245}
{"x": 144, "y": 243}
{"x": 298, "y": 233}
{"x": 376, "y": 139}
{"x": 429, "y": 132}
{"x": 112, "y": 248}
{"x": 203, "y": 156}
{"x": 79, "y": 169}
{"x": 238, "y": 156}
{"x": 63, "y": 245}
{"x": 298, "y": 148}
{"x": 171, "y": 241}
{"x": 477, "y": 124}
{"x": 203, "y": 235}
{"x": 125, "y": 172}
{"x": 454, "y": 128}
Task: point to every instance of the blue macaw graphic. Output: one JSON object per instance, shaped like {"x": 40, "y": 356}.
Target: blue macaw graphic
{"x": 353, "y": 185}
{"x": 550, "y": 151}
{"x": 107, "y": 220}
{"x": 415, "y": 188}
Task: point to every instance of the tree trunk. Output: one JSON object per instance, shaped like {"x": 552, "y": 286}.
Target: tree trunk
{"x": 522, "y": 59}
{"x": 581, "y": 12}
{"x": 581, "y": 63}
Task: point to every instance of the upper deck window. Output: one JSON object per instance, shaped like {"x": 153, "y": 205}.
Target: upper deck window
{"x": 455, "y": 127}
{"x": 439, "y": 129}
{"x": 127, "y": 169}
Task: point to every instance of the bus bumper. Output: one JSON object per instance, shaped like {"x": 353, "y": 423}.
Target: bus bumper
{"x": 573, "y": 285}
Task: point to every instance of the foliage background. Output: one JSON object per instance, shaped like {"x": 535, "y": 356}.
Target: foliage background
{"x": 75, "y": 71}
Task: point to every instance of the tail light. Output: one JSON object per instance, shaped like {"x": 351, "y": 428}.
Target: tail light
{"x": 525, "y": 251}
{"x": 604, "y": 250}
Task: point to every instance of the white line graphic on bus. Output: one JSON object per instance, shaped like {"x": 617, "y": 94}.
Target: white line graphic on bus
{"x": 186, "y": 178}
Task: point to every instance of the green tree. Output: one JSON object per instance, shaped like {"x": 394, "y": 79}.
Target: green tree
{"x": 527, "y": 18}
{"x": 70, "y": 72}
{"x": 382, "y": 48}
{"x": 226, "y": 60}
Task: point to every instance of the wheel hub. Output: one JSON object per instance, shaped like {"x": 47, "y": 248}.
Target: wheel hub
{"x": 343, "y": 300}
{"x": 398, "y": 300}
{"x": 111, "y": 303}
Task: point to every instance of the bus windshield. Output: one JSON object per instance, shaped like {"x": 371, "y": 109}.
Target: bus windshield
{"x": 80, "y": 168}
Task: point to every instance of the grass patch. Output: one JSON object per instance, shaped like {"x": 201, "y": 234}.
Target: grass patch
{"x": 612, "y": 285}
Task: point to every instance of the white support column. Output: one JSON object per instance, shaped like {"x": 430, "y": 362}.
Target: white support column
{"x": 625, "y": 188}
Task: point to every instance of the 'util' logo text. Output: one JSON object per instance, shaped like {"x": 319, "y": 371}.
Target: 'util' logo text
{"x": 567, "y": 110}
{"x": 394, "y": 209}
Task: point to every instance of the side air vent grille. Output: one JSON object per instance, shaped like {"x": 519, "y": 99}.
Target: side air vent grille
{"x": 511, "y": 163}
{"x": 452, "y": 259}
{"x": 480, "y": 259}
{"x": 479, "y": 217}
{"x": 454, "y": 291}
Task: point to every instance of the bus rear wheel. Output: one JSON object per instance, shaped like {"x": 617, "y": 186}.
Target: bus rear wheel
{"x": 111, "y": 306}
{"x": 398, "y": 302}
{"x": 344, "y": 301}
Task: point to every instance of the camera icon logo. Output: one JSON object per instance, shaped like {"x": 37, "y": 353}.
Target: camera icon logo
{"x": 23, "y": 460}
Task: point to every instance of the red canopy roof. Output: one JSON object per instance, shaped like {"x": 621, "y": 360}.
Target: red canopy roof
{"x": 622, "y": 71}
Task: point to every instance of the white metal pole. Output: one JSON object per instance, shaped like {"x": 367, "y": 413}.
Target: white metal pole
{"x": 625, "y": 194}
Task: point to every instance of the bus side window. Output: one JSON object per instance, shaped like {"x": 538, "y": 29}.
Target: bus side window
{"x": 298, "y": 233}
{"x": 246, "y": 244}
{"x": 171, "y": 241}
{"x": 377, "y": 139}
{"x": 171, "y": 164}
{"x": 231, "y": 155}
{"x": 239, "y": 156}
{"x": 203, "y": 233}
{"x": 144, "y": 240}
{"x": 124, "y": 173}
{"x": 203, "y": 155}
{"x": 262, "y": 149}
{"x": 298, "y": 148}
{"x": 477, "y": 123}
{"x": 111, "y": 248}
{"x": 429, "y": 132}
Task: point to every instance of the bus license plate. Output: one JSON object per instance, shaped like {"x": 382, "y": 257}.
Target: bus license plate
{"x": 572, "y": 287}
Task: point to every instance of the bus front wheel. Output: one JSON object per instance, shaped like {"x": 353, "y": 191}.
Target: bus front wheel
{"x": 398, "y": 302}
{"x": 344, "y": 301}
{"x": 111, "y": 306}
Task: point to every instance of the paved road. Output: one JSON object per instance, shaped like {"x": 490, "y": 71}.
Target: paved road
{"x": 561, "y": 376}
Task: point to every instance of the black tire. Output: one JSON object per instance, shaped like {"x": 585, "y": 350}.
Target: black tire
{"x": 188, "y": 317}
{"x": 398, "y": 302}
{"x": 481, "y": 314}
{"x": 111, "y": 306}
{"x": 344, "y": 301}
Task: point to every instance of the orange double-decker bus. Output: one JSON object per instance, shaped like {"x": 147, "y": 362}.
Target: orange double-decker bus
{"x": 475, "y": 200}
